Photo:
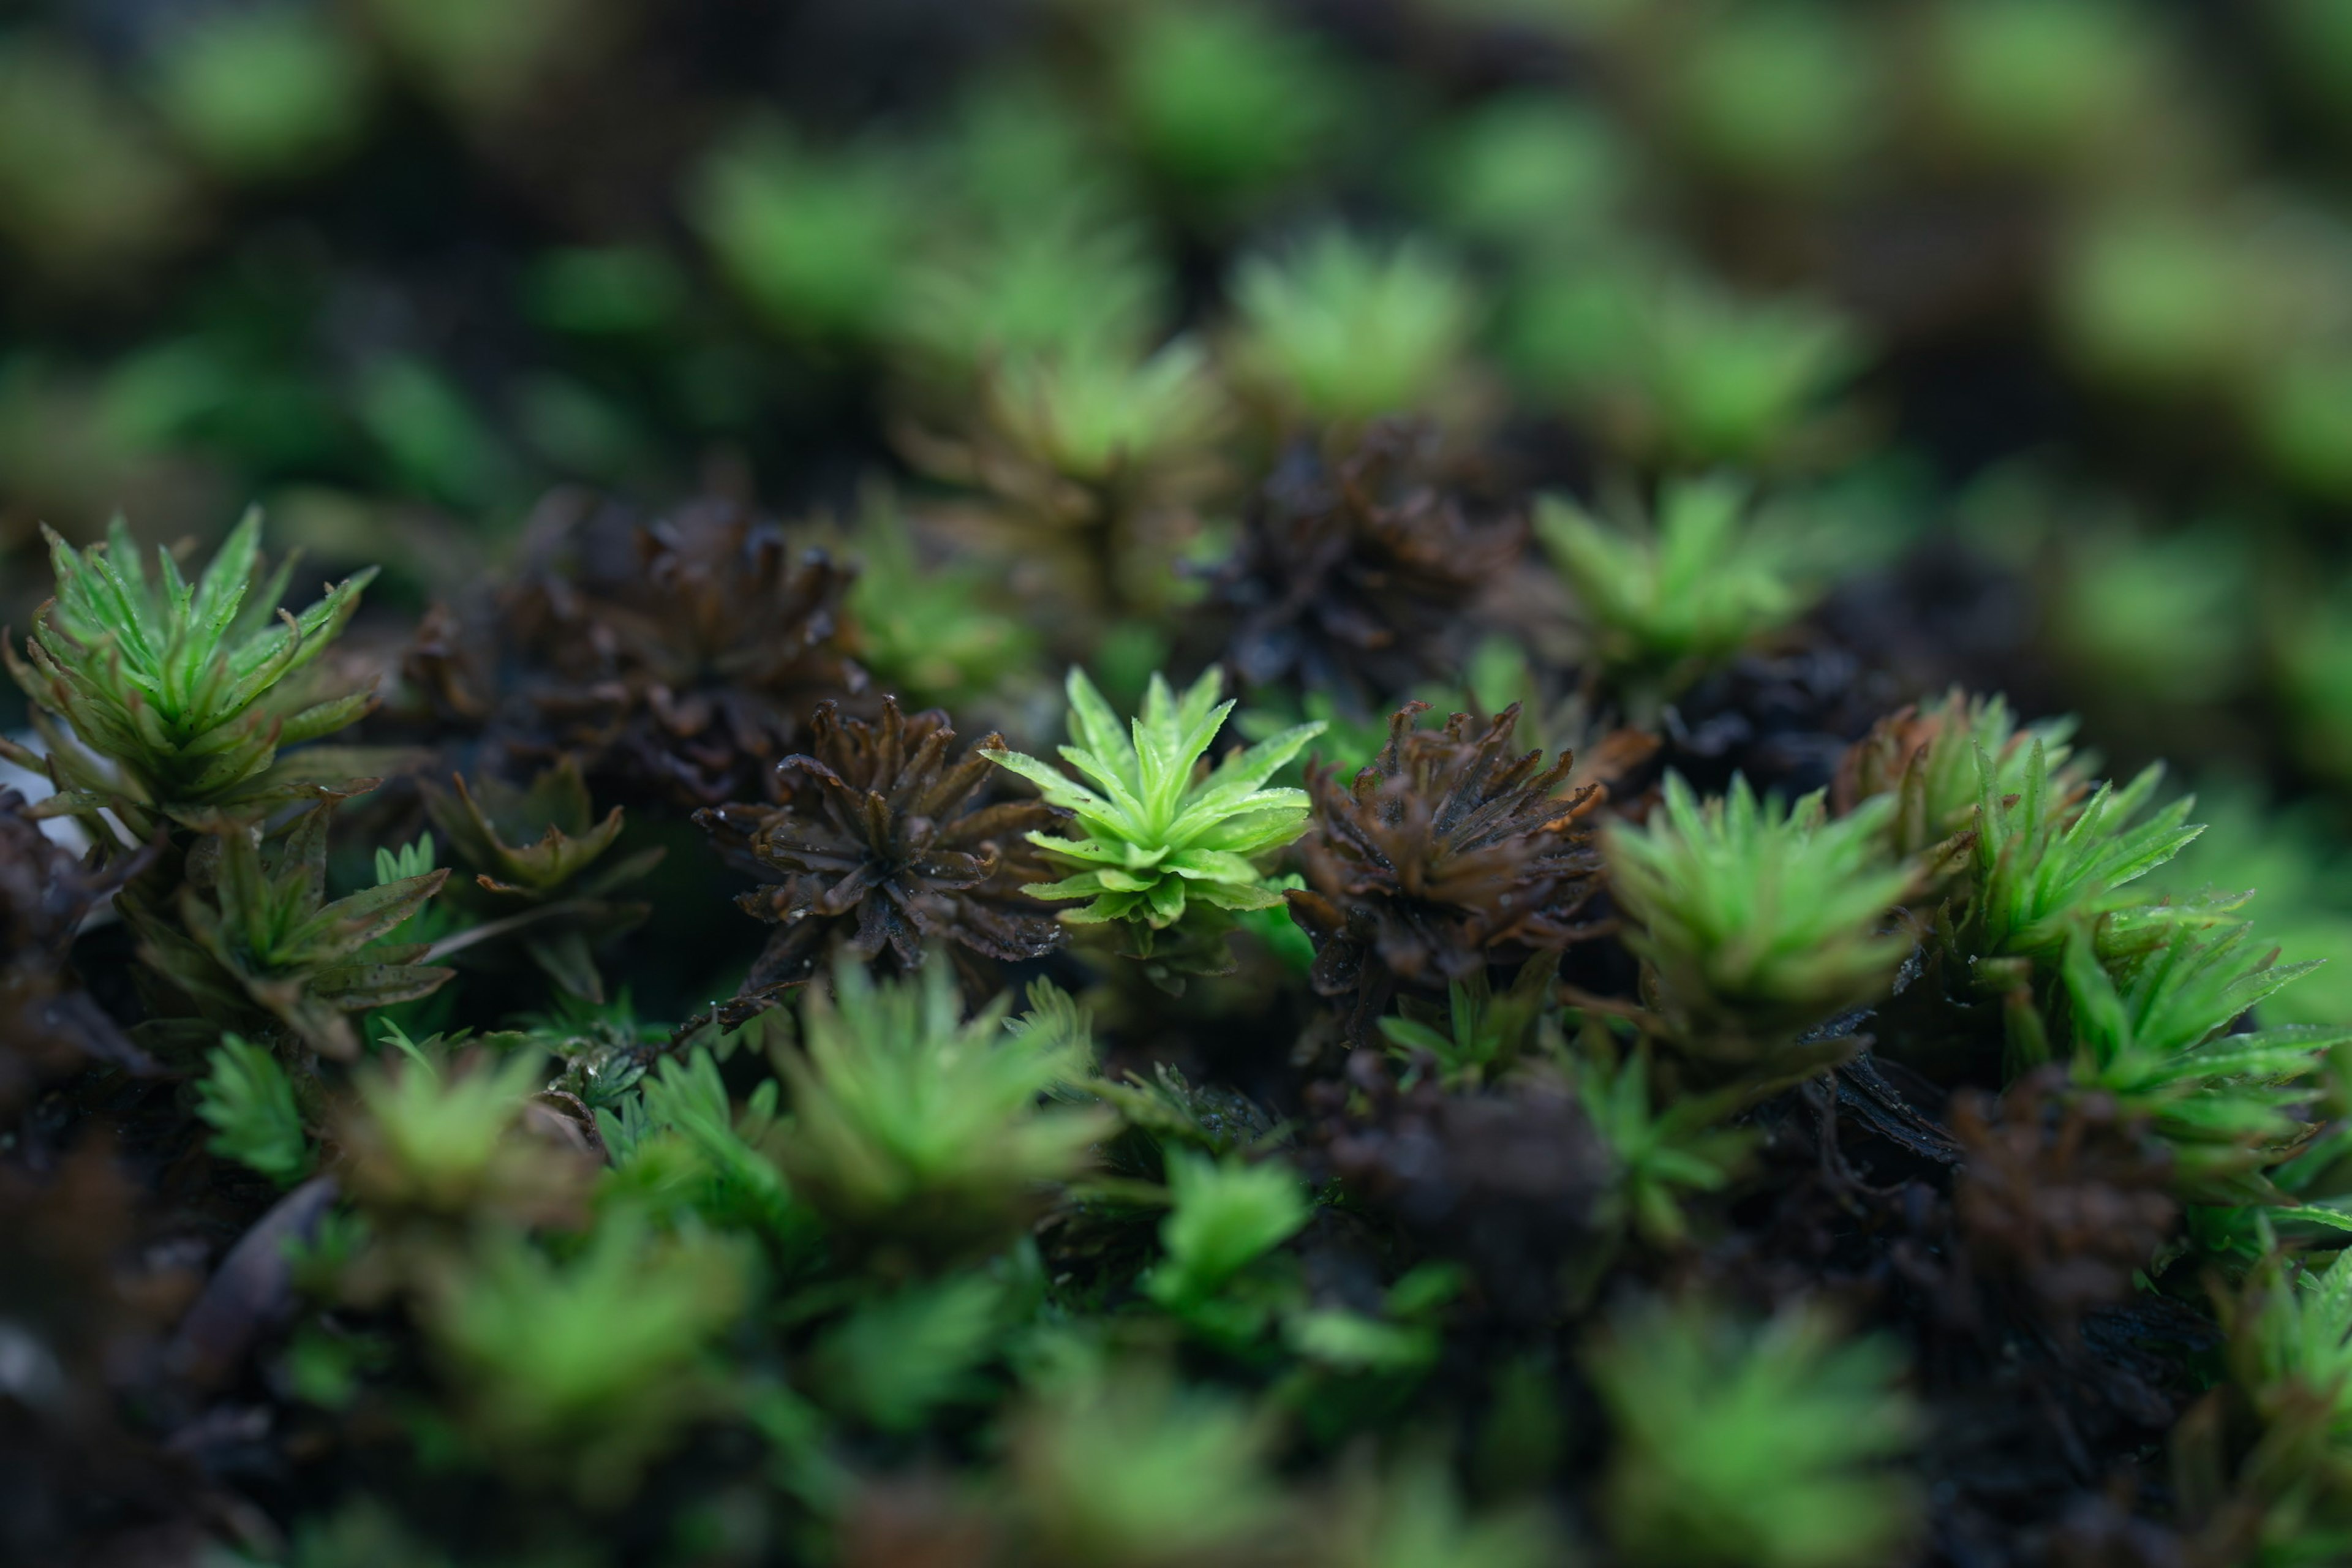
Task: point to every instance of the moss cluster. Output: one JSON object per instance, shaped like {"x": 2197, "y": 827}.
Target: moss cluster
{"x": 998, "y": 844}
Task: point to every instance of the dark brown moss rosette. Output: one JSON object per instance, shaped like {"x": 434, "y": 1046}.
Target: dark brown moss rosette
{"x": 874, "y": 845}
{"x": 675, "y": 663}
{"x": 1444, "y": 855}
{"x": 1350, "y": 578}
{"x": 679, "y": 665}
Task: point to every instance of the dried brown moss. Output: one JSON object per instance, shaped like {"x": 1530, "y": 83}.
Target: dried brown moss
{"x": 1351, "y": 578}
{"x": 878, "y": 843}
{"x": 1446, "y": 854}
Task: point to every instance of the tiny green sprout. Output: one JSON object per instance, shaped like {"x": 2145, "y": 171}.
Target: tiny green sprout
{"x": 265, "y": 91}
{"x": 1410, "y": 1514}
{"x": 1926, "y": 758}
{"x": 1779, "y": 95}
{"x": 1224, "y": 100}
{"x": 1227, "y": 1215}
{"x": 412, "y": 859}
{"x": 912, "y": 1123}
{"x": 1658, "y": 1155}
{"x": 583, "y": 1371}
{"x": 1125, "y": 1470}
{"x": 430, "y": 1133}
{"x": 265, "y": 951}
{"x": 1159, "y": 837}
{"x": 735, "y": 1180}
{"x": 897, "y": 1359}
{"x": 2046, "y": 86}
{"x": 1757, "y": 921}
{"x": 1673, "y": 366}
{"x": 1486, "y": 1034}
{"x": 160, "y": 699}
{"x": 1764, "y": 1447}
{"x": 247, "y": 1100}
{"x": 1102, "y": 413}
{"x": 1341, "y": 331}
{"x": 931, "y": 632}
{"x": 1057, "y": 281}
{"x": 1167, "y": 1112}
{"x": 2047, "y": 863}
{"x": 2158, "y": 1040}
{"x": 1528, "y": 171}
{"x": 816, "y": 242}
{"x": 603, "y": 1046}
{"x": 1665, "y": 603}
{"x": 2290, "y": 1354}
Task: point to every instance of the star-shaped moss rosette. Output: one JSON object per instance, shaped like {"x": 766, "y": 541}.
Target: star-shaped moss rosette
{"x": 879, "y": 841}
{"x": 1161, "y": 838}
{"x": 161, "y": 699}
{"x": 1447, "y": 853}
{"x": 1757, "y": 922}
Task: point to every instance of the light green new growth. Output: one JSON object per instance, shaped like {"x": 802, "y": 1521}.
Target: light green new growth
{"x": 2045, "y": 867}
{"x": 1757, "y": 922}
{"x": 2292, "y": 1351}
{"x": 1666, "y": 601}
{"x": 1158, "y": 837}
{"x": 1678, "y": 367}
{"x": 1412, "y": 1516}
{"x": 1098, "y": 411}
{"x": 735, "y": 1181}
{"x": 895, "y": 1360}
{"x": 588, "y": 1367}
{"x": 816, "y": 241}
{"x": 1752, "y": 1447}
{"x": 1057, "y": 281}
{"x": 248, "y": 1101}
{"x": 1228, "y": 1214}
{"x": 1125, "y": 1468}
{"x": 430, "y": 1134}
{"x": 178, "y": 695}
{"x": 910, "y": 1121}
{"x": 412, "y": 859}
{"x": 1344, "y": 332}
{"x": 1927, "y": 761}
{"x": 263, "y": 93}
{"x": 1223, "y": 99}
{"x": 2158, "y": 1039}
{"x": 1486, "y": 1034}
{"x": 928, "y": 631}
{"x": 1656, "y": 1156}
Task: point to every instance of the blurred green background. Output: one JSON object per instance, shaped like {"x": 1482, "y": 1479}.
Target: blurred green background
{"x": 2049, "y": 300}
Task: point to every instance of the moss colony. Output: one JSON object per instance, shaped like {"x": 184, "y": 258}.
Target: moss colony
{"x": 1170, "y": 785}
